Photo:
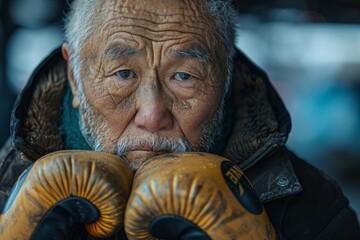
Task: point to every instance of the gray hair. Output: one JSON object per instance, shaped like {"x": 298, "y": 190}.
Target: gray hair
{"x": 78, "y": 25}
{"x": 79, "y": 22}
{"x": 226, "y": 18}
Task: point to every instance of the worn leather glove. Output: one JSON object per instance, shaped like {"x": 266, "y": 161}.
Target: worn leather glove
{"x": 64, "y": 191}
{"x": 194, "y": 196}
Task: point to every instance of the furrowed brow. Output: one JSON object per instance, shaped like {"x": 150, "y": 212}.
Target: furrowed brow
{"x": 195, "y": 53}
{"x": 120, "y": 51}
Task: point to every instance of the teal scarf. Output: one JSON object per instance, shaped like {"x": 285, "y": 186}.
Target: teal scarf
{"x": 69, "y": 125}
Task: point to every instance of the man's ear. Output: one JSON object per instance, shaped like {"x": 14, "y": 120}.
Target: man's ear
{"x": 70, "y": 75}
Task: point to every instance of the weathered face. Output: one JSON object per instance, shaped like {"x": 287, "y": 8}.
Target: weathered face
{"x": 153, "y": 78}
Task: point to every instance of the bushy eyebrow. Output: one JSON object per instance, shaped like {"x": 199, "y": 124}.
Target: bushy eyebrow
{"x": 117, "y": 51}
{"x": 196, "y": 53}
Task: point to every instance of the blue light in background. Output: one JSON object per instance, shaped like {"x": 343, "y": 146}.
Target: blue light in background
{"x": 306, "y": 62}
{"x": 1, "y": 49}
{"x": 26, "y": 49}
{"x": 33, "y": 13}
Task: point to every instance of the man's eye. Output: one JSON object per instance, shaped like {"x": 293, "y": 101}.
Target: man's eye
{"x": 125, "y": 74}
{"x": 182, "y": 76}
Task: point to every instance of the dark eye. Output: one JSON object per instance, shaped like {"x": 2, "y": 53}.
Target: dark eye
{"x": 125, "y": 74}
{"x": 182, "y": 76}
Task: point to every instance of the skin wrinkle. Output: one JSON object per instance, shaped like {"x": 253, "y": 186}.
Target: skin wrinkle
{"x": 124, "y": 103}
{"x": 128, "y": 103}
{"x": 195, "y": 23}
{"x": 180, "y": 110}
{"x": 112, "y": 98}
{"x": 156, "y": 34}
{"x": 185, "y": 105}
{"x": 91, "y": 63}
{"x": 133, "y": 8}
{"x": 101, "y": 91}
{"x": 185, "y": 24}
{"x": 153, "y": 58}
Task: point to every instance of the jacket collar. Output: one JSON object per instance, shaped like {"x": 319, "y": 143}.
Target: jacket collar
{"x": 261, "y": 121}
{"x": 36, "y": 113}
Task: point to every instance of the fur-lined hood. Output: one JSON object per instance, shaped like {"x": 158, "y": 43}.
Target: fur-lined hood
{"x": 260, "y": 123}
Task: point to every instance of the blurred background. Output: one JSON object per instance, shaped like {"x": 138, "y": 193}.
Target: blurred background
{"x": 310, "y": 50}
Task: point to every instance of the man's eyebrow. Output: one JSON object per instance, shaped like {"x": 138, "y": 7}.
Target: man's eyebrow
{"x": 196, "y": 53}
{"x": 117, "y": 51}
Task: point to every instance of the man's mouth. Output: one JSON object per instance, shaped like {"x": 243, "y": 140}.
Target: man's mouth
{"x": 145, "y": 149}
{"x": 142, "y": 150}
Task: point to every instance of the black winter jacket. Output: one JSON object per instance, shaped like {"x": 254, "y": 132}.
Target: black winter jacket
{"x": 301, "y": 201}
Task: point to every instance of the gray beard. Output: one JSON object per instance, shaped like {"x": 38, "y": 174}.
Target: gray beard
{"x": 95, "y": 132}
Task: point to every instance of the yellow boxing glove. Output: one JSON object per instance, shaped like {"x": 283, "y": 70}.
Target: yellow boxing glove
{"x": 65, "y": 190}
{"x": 194, "y": 196}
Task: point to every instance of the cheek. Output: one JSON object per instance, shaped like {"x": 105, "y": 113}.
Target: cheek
{"x": 116, "y": 107}
{"x": 192, "y": 119}
{"x": 194, "y": 112}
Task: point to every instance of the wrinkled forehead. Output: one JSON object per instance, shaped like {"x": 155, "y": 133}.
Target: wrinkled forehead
{"x": 158, "y": 19}
{"x": 158, "y": 10}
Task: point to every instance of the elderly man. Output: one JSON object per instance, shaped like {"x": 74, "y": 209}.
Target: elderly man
{"x": 140, "y": 79}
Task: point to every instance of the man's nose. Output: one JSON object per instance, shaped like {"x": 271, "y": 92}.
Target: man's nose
{"x": 153, "y": 113}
